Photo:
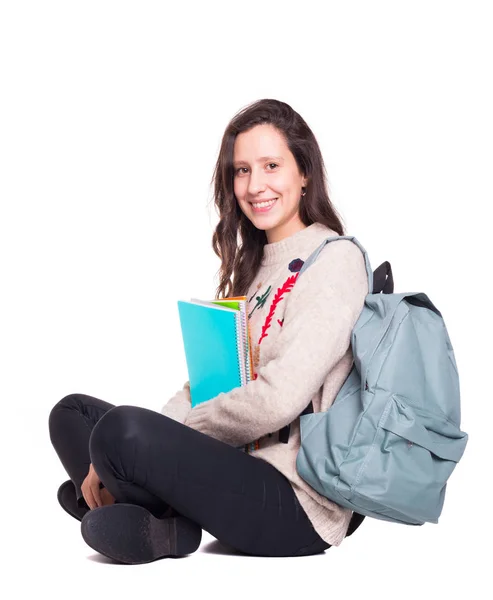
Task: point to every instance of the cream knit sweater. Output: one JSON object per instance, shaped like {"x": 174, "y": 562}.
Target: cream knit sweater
{"x": 300, "y": 333}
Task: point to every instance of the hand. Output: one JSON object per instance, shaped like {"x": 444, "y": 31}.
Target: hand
{"x": 93, "y": 495}
{"x": 106, "y": 497}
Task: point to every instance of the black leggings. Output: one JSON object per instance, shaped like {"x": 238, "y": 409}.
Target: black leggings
{"x": 143, "y": 457}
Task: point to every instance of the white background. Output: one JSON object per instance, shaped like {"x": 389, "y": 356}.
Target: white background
{"x": 110, "y": 123}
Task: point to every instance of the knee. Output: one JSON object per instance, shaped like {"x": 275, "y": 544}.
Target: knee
{"x": 117, "y": 426}
{"x": 70, "y": 402}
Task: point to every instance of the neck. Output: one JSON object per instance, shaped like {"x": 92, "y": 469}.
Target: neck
{"x": 297, "y": 243}
{"x": 285, "y": 230}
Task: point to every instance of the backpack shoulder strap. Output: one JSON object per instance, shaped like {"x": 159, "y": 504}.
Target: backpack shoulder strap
{"x": 313, "y": 256}
{"x": 284, "y": 432}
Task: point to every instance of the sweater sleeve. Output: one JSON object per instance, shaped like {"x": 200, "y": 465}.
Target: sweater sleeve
{"x": 179, "y": 405}
{"x": 320, "y": 313}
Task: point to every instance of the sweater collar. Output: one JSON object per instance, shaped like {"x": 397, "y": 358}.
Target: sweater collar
{"x": 300, "y": 242}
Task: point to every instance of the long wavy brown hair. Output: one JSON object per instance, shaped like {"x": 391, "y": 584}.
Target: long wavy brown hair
{"x": 236, "y": 240}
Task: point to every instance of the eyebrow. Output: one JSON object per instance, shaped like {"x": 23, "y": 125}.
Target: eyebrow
{"x": 261, "y": 159}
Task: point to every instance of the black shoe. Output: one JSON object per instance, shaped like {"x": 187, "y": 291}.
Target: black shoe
{"x": 354, "y": 523}
{"x": 131, "y": 534}
{"x": 68, "y": 500}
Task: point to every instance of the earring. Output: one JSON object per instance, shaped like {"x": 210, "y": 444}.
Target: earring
{"x": 303, "y": 188}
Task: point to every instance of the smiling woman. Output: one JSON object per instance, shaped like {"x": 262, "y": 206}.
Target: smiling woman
{"x": 222, "y": 466}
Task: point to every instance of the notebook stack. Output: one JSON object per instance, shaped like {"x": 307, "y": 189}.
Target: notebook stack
{"x": 216, "y": 340}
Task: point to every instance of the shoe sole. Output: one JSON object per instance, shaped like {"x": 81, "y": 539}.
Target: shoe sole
{"x": 131, "y": 534}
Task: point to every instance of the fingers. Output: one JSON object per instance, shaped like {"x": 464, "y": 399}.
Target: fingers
{"x": 91, "y": 493}
{"x": 97, "y": 494}
{"x": 107, "y": 497}
{"x": 90, "y": 489}
{"x": 94, "y": 495}
{"x": 89, "y": 498}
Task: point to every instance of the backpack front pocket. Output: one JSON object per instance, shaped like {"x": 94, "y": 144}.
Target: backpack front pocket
{"x": 412, "y": 456}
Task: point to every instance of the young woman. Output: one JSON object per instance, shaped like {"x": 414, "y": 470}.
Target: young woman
{"x": 145, "y": 483}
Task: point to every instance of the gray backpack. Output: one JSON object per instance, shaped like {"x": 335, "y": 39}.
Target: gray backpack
{"x": 391, "y": 439}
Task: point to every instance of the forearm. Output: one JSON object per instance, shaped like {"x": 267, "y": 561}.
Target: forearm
{"x": 178, "y": 407}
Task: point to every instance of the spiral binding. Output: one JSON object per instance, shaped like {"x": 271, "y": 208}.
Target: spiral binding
{"x": 240, "y": 350}
{"x": 244, "y": 327}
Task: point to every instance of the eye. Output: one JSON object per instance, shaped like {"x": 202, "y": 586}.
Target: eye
{"x": 240, "y": 168}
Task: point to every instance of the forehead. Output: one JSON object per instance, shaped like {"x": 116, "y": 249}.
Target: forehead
{"x": 260, "y": 143}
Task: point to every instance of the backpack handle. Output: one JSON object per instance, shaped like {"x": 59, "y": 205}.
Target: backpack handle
{"x": 383, "y": 281}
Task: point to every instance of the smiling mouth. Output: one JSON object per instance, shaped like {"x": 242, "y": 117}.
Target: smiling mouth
{"x": 260, "y": 201}
{"x": 264, "y": 205}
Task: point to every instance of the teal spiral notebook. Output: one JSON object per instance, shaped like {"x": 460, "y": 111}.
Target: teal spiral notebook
{"x": 214, "y": 342}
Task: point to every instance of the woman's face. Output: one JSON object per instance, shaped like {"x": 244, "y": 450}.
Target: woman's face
{"x": 265, "y": 168}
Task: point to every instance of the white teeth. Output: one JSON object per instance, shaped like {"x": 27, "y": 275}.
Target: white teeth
{"x": 263, "y": 204}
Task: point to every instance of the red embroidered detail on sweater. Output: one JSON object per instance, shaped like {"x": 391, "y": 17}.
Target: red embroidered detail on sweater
{"x": 285, "y": 288}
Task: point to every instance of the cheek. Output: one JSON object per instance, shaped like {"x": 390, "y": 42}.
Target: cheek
{"x": 283, "y": 186}
{"x": 240, "y": 193}
{"x": 239, "y": 189}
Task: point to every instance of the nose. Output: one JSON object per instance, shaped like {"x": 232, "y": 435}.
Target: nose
{"x": 256, "y": 183}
